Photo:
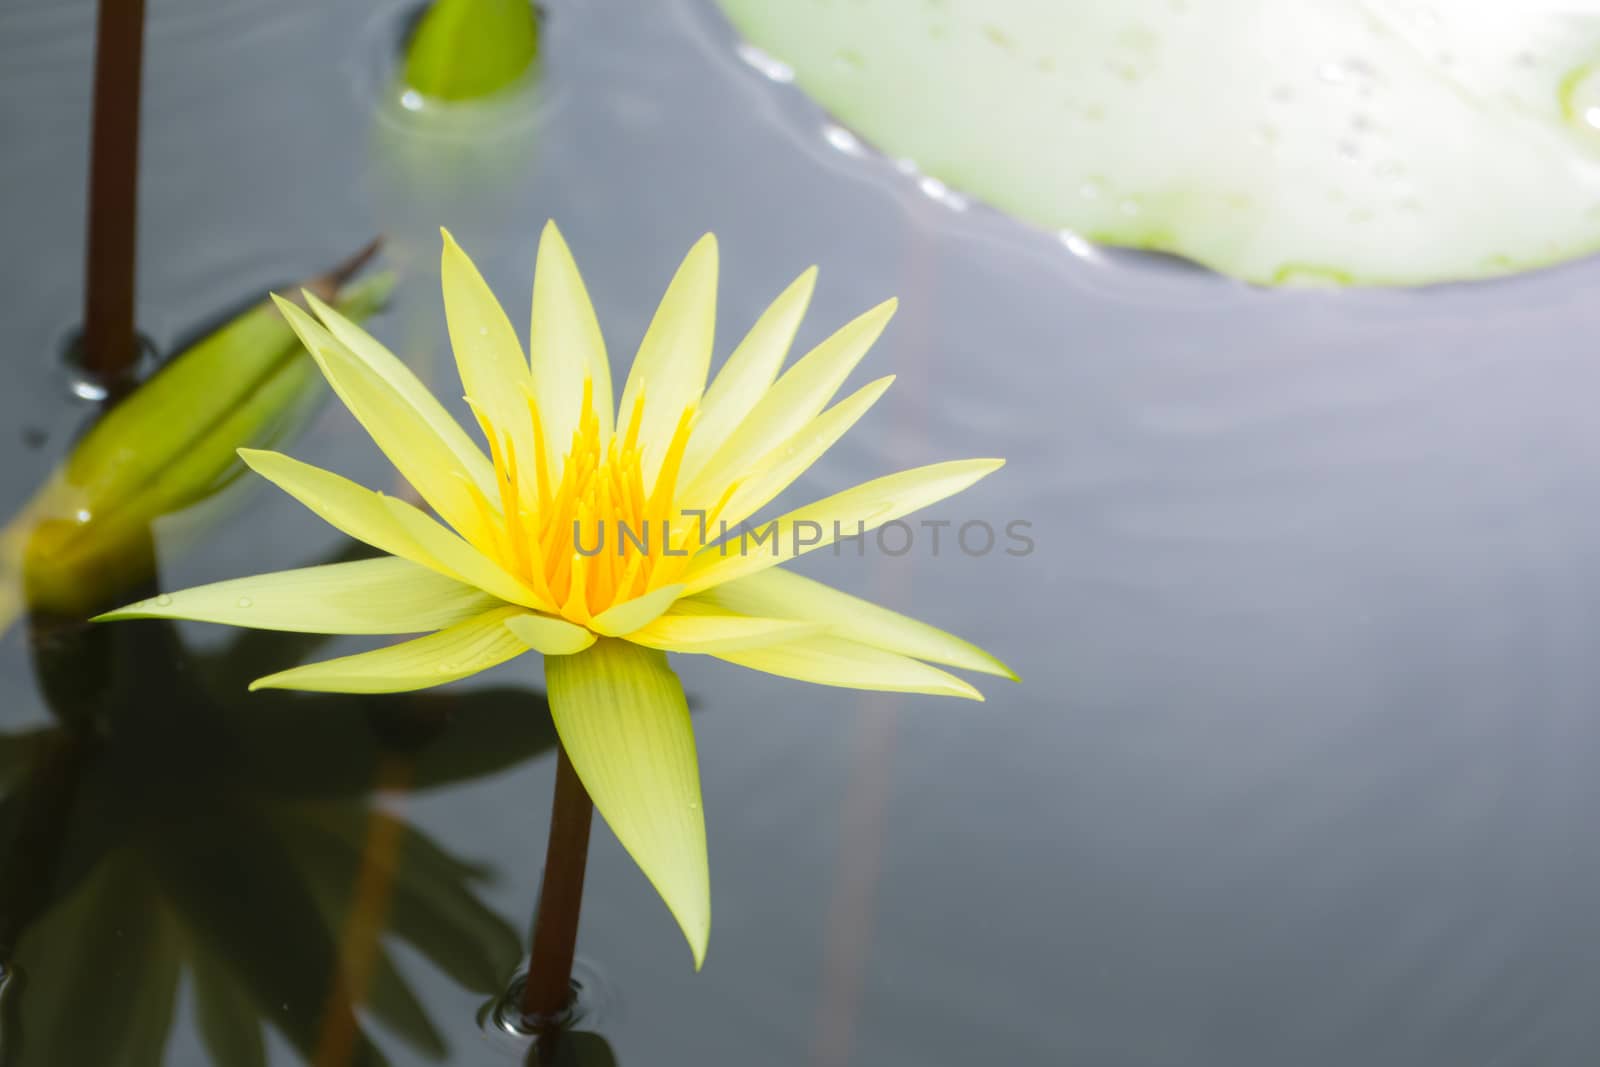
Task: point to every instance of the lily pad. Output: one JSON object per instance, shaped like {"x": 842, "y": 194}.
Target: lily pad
{"x": 1383, "y": 142}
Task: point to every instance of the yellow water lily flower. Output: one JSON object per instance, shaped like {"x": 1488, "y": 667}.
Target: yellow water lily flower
{"x": 510, "y": 564}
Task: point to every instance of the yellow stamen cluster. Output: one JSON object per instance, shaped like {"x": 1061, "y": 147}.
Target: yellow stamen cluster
{"x": 632, "y": 540}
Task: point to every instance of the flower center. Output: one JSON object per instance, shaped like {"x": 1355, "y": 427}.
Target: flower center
{"x": 596, "y": 536}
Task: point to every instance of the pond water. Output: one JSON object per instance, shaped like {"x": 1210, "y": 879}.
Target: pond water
{"x": 1300, "y": 772}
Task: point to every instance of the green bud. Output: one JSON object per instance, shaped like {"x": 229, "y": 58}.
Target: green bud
{"x": 84, "y": 539}
{"x": 467, "y": 49}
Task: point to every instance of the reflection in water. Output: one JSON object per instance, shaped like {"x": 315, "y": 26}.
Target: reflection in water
{"x": 178, "y": 827}
{"x": 572, "y": 1049}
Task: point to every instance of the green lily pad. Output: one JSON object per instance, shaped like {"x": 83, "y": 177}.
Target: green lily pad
{"x": 1384, "y": 142}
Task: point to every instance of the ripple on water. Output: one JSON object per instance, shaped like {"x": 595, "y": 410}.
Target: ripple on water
{"x": 594, "y": 1004}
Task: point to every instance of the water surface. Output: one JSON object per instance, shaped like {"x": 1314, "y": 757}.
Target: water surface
{"x": 1300, "y": 771}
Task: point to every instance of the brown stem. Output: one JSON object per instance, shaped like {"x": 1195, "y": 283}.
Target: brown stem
{"x": 110, "y": 339}
{"x": 555, "y": 931}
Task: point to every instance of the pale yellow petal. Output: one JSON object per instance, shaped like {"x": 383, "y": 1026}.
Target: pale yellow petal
{"x": 828, "y": 660}
{"x": 747, "y": 374}
{"x": 466, "y": 648}
{"x": 404, "y": 434}
{"x": 370, "y": 596}
{"x": 863, "y": 508}
{"x": 624, "y": 618}
{"x": 550, "y": 636}
{"x": 675, "y": 355}
{"x": 779, "y": 468}
{"x": 624, "y": 722}
{"x": 493, "y": 369}
{"x": 404, "y": 381}
{"x": 780, "y": 593}
{"x": 565, "y": 347}
{"x": 805, "y": 389}
{"x": 344, "y": 505}
{"x": 390, "y": 524}
{"x": 459, "y": 558}
{"x": 696, "y": 632}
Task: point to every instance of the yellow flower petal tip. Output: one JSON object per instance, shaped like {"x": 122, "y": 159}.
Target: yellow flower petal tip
{"x": 586, "y": 526}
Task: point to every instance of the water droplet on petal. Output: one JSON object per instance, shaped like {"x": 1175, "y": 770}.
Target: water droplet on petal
{"x": 83, "y": 515}
{"x": 164, "y": 601}
{"x": 245, "y": 602}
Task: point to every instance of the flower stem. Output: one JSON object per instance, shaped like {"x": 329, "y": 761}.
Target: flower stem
{"x": 110, "y": 340}
{"x": 548, "y": 989}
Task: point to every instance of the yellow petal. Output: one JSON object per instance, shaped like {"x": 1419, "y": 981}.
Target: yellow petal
{"x": 746, "y": 375}
{"x": 468, "y": 647}
{"x": 864, "y": 508}
{"x": 550, "y": 636}
{"x": 828, "y": 660}
{"x": 341, "y": 503}
{"x": 779, "y": 468}
{"x": 793, "y": 400}
{"x": 565, "y": 347}
{"x": 624, "y": 722}
{"x": 700, "y": 633}
{"x": 624, "y": 618}
{"x": 393, "y": 423}
{"x": 488, "y": 354}
{"x": 399, "y": 378}
{"x": 370, "y": 596}
{"x": 670, "y": 368}
{"x": 389, "y": 524}
{"x": 456, "y": 557}
{"x": 783, "y": 594}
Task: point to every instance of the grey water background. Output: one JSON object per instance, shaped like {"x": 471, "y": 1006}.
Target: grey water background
{"x": 1301, "y": 770}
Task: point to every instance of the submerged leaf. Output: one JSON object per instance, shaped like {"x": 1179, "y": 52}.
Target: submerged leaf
{"x": 83, "y": 539}
{"x": 1374, "y": 142}
{"x": 465, "y": 49}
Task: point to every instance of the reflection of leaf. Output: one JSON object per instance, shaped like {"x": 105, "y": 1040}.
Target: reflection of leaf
{"x": 464, "y": 49}
{"x": 432, "y": 906}
{"x": 230, "y": 1025}
{"x": 17, "y": 753}
{"x": 40, "y": 860}
{"x": 245, "y": 832}
{"x": 226, "y": 892}
{"x": 450, "y": 737}
{"x": 1273, "y": 141}
{"x": 104, "y": 994}
{"x": 396, "y": 1006}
